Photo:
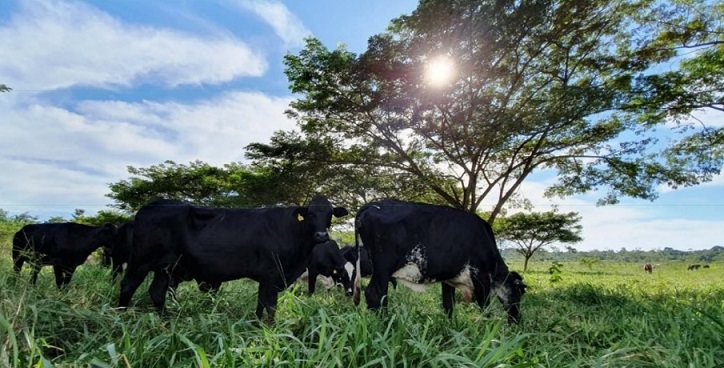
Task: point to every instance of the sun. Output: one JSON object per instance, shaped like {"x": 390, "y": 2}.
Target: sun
{"x": 439, "y": 71}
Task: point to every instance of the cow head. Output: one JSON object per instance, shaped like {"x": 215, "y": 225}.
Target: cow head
{"x": 344, "y": 276}
{"x": 318, "y": 216}
{"x": 106, "y": 234}
{"x": 510, "y": 291}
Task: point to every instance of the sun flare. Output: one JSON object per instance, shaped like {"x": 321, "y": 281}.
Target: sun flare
{"x": 439, "y": 71}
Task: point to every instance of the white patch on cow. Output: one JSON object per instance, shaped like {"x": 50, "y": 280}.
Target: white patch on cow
{"x": 349, "y": 268}
{"x": 464, "y": 282}
{"x": 410, "y": 276}
{"x": 502, "y": 292}
{"x": 327, "y": 282}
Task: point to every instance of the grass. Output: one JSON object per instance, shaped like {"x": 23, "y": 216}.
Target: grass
{"x": 614, "y": 315}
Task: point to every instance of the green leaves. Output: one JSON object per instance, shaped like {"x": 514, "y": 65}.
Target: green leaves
{"x": 530, "y": 232}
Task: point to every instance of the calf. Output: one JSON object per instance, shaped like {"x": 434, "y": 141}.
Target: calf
{"x": 65, "y": 246}
{"x": 271, "y": 245}
{"x": 419, "y": 243}
{"x": 648, "y": 268}
{"x": 327, "y": 260}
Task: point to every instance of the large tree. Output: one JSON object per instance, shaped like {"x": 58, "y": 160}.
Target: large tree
{"x": 575, "y": 87}
{"x": 296, "y": 166}
{"x": 535, "y": 230}
{"x": 200, "y": 183}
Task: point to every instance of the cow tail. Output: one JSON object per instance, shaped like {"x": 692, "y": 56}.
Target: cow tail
{"x": 356, "y": 294}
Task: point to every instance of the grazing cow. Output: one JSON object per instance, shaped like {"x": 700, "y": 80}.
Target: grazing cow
{"x": 418, "y": 243}
{"x": 694, "y": 266}
{"x": 65, "y": 246}
{"x": 327, "y": 260}
{"x": 116, "y": 253}
{"x": 706, "y": 266}
{"x": 648, "y": 268}
{"x": 272, "y": 246}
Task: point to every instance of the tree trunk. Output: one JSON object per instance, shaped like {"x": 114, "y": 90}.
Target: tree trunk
{"x": 525, "y": 264}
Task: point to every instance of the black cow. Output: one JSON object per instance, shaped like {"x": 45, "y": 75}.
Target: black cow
{"x": 272, "y": 246}
{"x": 418, "y": 243}
{"x": 65, "y": 246}
{"x": 116, "y": 253}
{"x": 327, "y": 260}
{"x": 694, "y": 266}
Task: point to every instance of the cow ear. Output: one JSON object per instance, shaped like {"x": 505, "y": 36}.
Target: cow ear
{"x": 340, "y": 212}
{"x": 299, "y": 213}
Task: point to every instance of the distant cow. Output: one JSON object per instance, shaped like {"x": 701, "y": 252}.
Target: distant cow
{"x": 705, "y": 266}
{"x": 694, "y": 266}
{"x": 271, "y": 245}
{"x": 327, "y": 260}
{"x": 65, "y": 246}
{"x": 419, "y": 243}
{"x": 648, "y": 268}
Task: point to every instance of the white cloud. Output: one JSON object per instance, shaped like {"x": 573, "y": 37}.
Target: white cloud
{"x": 61, "y": 158}
{"x": 53, "y": 45}
{"x": 634, "y": 224}
{"x": 285, "y": 24}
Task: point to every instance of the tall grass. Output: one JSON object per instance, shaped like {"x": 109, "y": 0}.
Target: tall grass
{"x": 611, "y": 316}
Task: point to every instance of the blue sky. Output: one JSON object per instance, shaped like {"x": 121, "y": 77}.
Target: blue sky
{"x": 101, "y": 85}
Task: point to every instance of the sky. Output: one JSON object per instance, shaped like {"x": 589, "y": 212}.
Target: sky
{"x": 102, "y": 85}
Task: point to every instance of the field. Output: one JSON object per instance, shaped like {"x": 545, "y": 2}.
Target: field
{"x": 613, "y": 315}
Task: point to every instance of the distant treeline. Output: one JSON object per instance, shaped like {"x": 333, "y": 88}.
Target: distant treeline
{"x": 715, "y": 254}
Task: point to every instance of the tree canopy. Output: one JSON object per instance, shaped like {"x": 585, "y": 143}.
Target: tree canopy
{"x": 533, "y": 231}
{"x": 577, "y": 88}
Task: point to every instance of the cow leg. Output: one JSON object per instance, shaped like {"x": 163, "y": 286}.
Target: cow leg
{"x": 63, "y": 274}
{"x": 312, "y": 282}
{"x": 131, "y": 281}
{"x": 448, "y": 299}
{"x": 376, "y": 292}
{"x": 18, "y": 260}
{"x": 158, "y": 289}
{"x": 267, "y": 299}
{"x": 36, "y": 270}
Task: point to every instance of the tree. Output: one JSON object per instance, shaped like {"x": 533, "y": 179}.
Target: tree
{"x": 539, "y": 85}
{"x": 298, "y": 166}
{"x": 530, "y": 232}
{"x": 198, "y": 182}
{"x": 4, "y": 88}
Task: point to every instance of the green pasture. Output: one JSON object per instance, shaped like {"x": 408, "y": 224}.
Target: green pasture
{"x": 612, "y": 315}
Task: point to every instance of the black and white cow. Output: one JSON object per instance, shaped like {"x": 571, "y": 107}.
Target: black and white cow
{"x": 272, "y": 246}
{"x": 65, "y": 246}
{"x": 350, "y": 254}
{"x": 328, "y": 261}
{"x": 418, "y": 243}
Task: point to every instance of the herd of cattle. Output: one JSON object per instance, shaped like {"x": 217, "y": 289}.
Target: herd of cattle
{"x": 648, "y": 267}
{"x": 412, "y": 243}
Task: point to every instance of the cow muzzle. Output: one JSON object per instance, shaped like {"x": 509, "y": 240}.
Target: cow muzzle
{"x": 321, "y": 236}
